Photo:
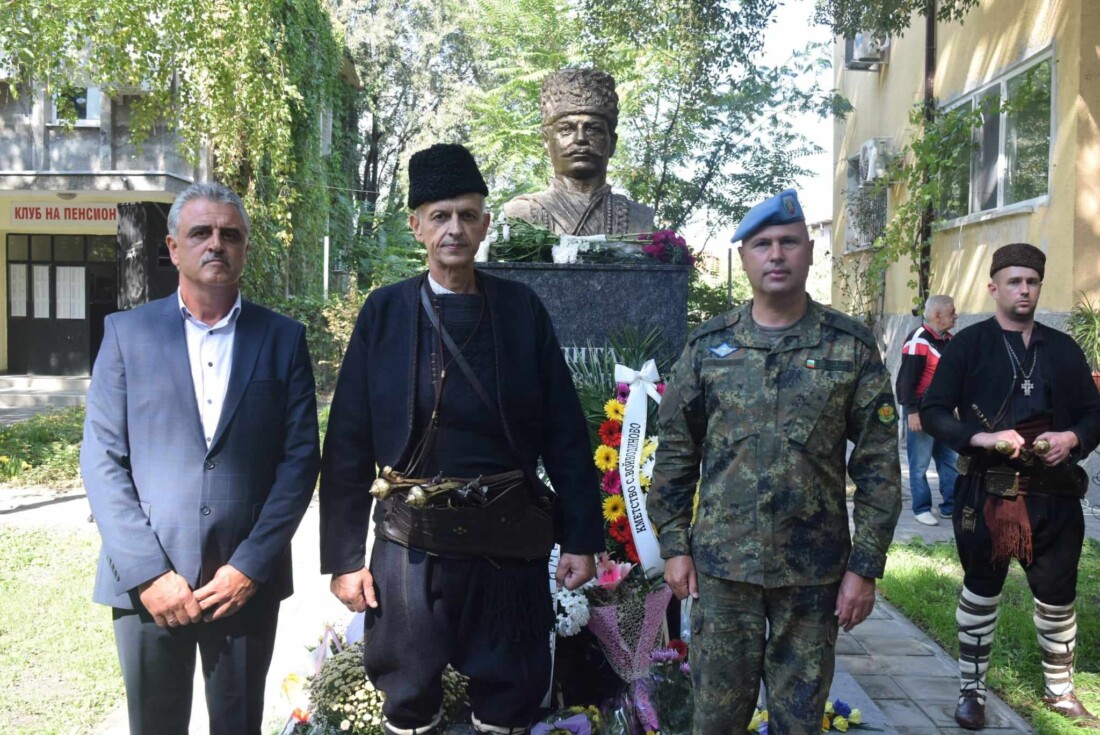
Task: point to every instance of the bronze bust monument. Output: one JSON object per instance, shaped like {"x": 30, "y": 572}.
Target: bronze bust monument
{"x": 580, "y": 111}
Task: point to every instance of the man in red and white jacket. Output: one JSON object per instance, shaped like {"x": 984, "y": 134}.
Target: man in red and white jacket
{"x": 919, "y": 357}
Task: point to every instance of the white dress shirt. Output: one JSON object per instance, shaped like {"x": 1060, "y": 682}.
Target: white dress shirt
{"x": 210, "y": 353}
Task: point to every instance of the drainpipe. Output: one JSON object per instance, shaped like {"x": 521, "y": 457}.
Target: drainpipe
{"x": 924, "y": 273}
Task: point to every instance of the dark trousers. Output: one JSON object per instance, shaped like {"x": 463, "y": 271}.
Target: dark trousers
{"x": 744, "y": 632}
{"x": 433, "y": 611}
{"x": 1057, "y": 533}
{"x": 158, "y": 668}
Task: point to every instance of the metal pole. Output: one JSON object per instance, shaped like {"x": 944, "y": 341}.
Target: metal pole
{"x": 729, "y": 277}
{"x": 324, "y": 277}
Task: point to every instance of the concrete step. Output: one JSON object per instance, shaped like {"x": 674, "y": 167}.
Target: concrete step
{"x": 63, "y": 383}
{"x": 20, "y": 398}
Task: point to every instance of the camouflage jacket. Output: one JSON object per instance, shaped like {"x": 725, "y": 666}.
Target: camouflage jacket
{"x": 764, "y": 428}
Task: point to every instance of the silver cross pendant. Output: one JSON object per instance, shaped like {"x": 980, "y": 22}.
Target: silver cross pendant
{"x": 1027, "y": 385}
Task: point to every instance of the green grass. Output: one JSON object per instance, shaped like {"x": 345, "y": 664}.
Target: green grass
{"x": 923, "y": 581}
{"x": 43, "y": 450}
{"x": 57, "y": 649}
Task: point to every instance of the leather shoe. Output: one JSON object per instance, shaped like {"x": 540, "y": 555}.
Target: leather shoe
{"x": 1069, "y": 706}
{"x": 970, "y": 714}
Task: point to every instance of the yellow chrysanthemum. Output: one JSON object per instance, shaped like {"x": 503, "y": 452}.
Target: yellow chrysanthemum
{"x": 829, "y": 708}
{"x": 648, "y": 449}
{"x": 855, "y": 717}
{"x": 825, "y": 724}
{"x": 840, "y": 724}
{"x": 614, "y": 508}
{"x": 646, "y": 480}
{"x": 754, "y": 723}
{"x": 614, "y": 410}
{"x": 607, "y": 458}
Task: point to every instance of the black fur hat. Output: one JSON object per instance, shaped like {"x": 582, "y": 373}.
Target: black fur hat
{"x": 443, "y": 171}
{"x": 1019, "y": 254}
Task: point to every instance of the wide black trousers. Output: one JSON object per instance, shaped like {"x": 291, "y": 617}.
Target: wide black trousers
{"x": 490, "y": 620}
{"x": 1057, "y": 533}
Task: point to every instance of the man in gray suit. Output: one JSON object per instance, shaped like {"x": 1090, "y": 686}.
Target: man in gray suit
{"x": 200, "y": 456}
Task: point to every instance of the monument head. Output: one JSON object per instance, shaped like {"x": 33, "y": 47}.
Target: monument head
{"x": 580, "y": 111}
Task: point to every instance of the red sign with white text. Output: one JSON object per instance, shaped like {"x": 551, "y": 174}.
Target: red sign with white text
{"x": 63, "y": 214}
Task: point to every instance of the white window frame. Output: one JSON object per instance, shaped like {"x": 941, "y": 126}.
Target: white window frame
{"x": 1001, "y": 82}
{"x": 92, "y": 119}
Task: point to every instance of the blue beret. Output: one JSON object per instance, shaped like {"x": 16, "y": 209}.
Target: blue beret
{"x": 781, "y": 209}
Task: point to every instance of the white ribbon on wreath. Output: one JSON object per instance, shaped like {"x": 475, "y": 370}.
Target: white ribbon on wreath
{"x": 643, "y": 384}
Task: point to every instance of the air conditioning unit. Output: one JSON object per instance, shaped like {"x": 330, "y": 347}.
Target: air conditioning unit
{"x": 874, "y": 156}
{"x": 868, "y": 48}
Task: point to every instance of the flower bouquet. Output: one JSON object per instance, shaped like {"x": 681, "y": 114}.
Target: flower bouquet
{"x": 344, "y": 701}
{"x": 627, "y": 614}
{"x": 839, "y": 716}
{"x": 670, "y": 687}
{"x": 570, "y": 721}
{"x": 518, "y": 241}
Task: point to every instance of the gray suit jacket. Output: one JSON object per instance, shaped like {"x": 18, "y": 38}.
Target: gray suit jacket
{"x": 161, "y": 499}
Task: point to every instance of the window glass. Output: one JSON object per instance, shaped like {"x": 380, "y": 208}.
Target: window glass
{"x": 18, "y": 247}
{"x": 70, "y": 292}
{"x": 1027, "y": 134}
{"x": 101, "y": 248}
{"x": 40, "y": 248}
{"x": 17, "y": 290}
{"x": 77, "y": 103}
{"x": 41, "y": 292}
{"x": 68, "y": 248}
{"x": 987, "y": 153}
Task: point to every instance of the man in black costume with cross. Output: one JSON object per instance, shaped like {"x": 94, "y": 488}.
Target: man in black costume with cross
{"x": 1016, "y": 399}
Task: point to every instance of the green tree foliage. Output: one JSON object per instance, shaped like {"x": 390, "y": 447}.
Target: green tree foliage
{"x": 885, "y": 17}
{"x": 243, "y": 81}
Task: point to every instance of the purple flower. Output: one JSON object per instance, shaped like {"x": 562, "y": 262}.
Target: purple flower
{"x": 664, "y": 656}
{"x": 842, "y": 708}
{"x": 622, "y": 390}
{"x": 685, "y": 668}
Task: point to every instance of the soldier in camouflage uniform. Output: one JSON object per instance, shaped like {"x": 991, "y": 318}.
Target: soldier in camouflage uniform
{"x": 756, "y": 419}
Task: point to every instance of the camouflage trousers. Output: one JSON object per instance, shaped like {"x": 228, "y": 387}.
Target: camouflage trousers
{"x": 742, "y": 633}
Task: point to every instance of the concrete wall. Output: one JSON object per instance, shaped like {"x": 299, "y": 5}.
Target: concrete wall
{"x": 31, "y": 144}
{"x": 996, "y": 36}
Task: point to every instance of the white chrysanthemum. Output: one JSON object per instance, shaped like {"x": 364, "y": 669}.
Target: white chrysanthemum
{"x": 571, "y": 607}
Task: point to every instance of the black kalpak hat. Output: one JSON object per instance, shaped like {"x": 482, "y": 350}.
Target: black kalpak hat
{"x": 443, "y": 171}
{"x": 1019, "y": 254}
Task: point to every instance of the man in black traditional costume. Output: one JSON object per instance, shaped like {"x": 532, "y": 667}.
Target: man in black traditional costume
{"x": 1016, "y": 399}
{"x": 456, "y": 379}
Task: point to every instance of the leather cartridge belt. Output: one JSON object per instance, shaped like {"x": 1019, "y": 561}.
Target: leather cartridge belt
{"x": 1007, "y": 482}
{"x": 496, "y": 516}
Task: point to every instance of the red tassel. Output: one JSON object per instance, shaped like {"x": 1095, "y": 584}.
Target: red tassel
{"x": 1009, "y": 528}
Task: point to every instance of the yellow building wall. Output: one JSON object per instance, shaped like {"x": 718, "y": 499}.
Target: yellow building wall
{"x": 1086, "y": 226}
{"x": 996, "y": 36}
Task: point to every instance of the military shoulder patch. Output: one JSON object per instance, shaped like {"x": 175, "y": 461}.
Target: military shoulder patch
{"x": 884, "y": 409}
{"x": 722, "y": 350}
